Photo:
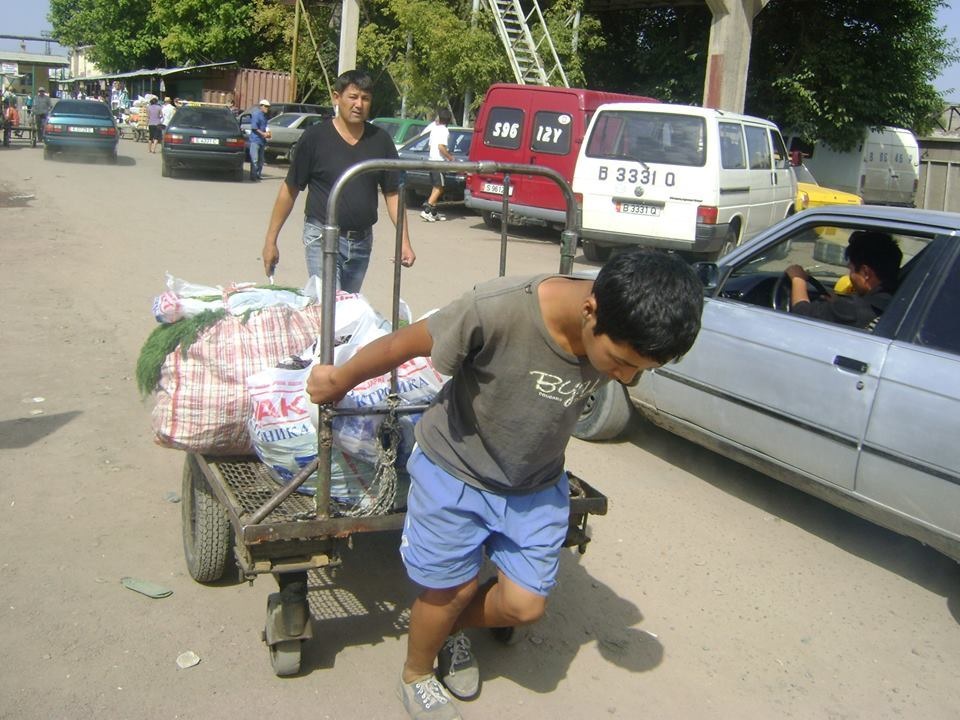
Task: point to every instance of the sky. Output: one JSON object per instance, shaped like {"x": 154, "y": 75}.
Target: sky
{"x": 28, "y": 17}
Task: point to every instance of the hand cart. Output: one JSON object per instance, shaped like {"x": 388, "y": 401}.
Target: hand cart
{"x": 234, "y": 508}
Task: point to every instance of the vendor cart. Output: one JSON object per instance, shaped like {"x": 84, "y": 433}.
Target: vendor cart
{"x": 234, "y": 509}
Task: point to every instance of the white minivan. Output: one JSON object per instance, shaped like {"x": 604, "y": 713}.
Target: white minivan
{"x": 679, "y": 177}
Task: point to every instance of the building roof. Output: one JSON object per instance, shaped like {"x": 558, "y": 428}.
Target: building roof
{"x": 33, "y": 58}
{"x": 146, "y": 72}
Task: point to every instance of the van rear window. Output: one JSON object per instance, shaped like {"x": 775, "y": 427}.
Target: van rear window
{"x": 551, "y": 132}
{"x": 504, "y": 128}
{"x": 649, "y": 137}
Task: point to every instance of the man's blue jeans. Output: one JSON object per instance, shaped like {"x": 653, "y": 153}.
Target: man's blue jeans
{"x": 256, "y": 160}
{"x": 353, "y": 254}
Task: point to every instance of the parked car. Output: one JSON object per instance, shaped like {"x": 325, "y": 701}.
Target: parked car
{"x": 867, "y": 420}
{"x": 810, "y": 193}
{"x": 203, "y": 138}
{"x": 284, "y": 107}
{"x": 418, "y": 181}
{"x": 401, "y": 129}
{"x": 285, "y": 131}
{"x": 84, "y": 127}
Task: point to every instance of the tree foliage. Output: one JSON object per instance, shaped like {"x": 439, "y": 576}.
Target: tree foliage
{"x": 822, "y": 68}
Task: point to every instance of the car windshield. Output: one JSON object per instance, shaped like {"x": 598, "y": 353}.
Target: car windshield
{"x": 208, "y": 118}
{"x": 654, "y": 137}
{"x": 460, "y": 142}
{"x": 284, "y": 119}
{"x": 804, "y": 175}
{"x": 88, "y": 108}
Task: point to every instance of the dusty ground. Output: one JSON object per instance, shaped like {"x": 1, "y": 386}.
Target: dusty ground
{"x": 708, "y": 592}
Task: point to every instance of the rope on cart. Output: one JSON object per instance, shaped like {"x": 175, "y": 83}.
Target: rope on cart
{"x": 384, "y": 485}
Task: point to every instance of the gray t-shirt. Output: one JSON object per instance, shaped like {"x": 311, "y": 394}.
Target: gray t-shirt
{"x": 503, "y": 421}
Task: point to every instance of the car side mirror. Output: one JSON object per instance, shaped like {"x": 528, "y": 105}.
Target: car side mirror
{"x": 709, "y": 275}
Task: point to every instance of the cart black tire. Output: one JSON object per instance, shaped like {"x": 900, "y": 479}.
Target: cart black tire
{"x": 606, "y": 413}
{"x": 207, "y": 535}
{"x": 285, "y": 657}
{"x": 596, "y": 253}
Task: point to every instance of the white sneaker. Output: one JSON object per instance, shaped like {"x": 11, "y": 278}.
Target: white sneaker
{"x": 428, "y": 217}
{"x": 426, "y": 699}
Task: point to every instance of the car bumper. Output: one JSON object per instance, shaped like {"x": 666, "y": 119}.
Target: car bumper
{"x": 708, "y": 238}
{"x": 517, "y": 212}
{"x": 201, "y": 160}
{"x": 93, "y": 146}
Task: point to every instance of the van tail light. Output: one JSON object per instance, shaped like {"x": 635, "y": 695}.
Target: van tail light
{"x": 173, "y": 138}
{"x": 707, "y": 215}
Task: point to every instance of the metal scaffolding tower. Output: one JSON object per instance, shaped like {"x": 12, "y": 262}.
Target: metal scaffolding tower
{"x": 527, "y": 41}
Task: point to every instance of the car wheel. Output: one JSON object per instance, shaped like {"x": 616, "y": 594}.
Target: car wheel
{"x": 165, "y": 168}
{"x": 238, "y": 174}
{"x": 596, "y": 253}
{"x": 112, "y": 157}
{"x": 270, "y": 158}
{"x": 489, "y": 220}
{"x": 731, "y": 241}
{"x": 47, "y": 153}
{"x": 606, "y": 413}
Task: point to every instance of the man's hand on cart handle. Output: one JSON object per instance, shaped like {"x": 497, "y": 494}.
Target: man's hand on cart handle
{"x": 321, "y": 386}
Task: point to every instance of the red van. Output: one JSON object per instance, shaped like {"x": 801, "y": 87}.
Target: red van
{"x": 536, "y": 125}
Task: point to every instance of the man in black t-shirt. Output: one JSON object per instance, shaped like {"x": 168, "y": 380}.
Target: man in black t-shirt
{"x": 873, "y": 259}
{"x": 324, "y": 152}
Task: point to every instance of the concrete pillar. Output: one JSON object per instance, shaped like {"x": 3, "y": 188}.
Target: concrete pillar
{"x": 349, "y": 29}
{"x": 731, "y": 33}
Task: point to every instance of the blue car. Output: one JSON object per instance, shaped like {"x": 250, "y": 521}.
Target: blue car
{"x": 82, "y": 127}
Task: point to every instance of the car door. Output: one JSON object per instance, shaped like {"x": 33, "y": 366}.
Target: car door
{"x": 783, "y": 387}
{"x": 759, "y": 213}
{"x": 910, "y": 461}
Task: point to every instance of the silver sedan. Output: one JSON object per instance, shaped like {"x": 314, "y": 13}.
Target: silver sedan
{"x": 866, "y": 419}
{"x": 285, "y": 131}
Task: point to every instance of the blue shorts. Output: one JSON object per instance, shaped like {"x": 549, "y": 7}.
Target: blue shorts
{"x": 450, "y": 523}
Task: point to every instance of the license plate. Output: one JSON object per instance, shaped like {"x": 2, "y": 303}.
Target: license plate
{"x": 81, "y": 129}
{"x": 205, "y": 141}
{"x": 638, "y": 209}
{"x": 495, "y": 189}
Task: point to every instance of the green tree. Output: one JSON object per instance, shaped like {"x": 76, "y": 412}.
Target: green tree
{"x": 202, "y": 31}
{"x": 119, "y": 32}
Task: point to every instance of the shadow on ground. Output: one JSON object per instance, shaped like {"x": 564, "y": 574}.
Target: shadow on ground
{"x": 904, "y": 556}
{"x": 24, "y": 432}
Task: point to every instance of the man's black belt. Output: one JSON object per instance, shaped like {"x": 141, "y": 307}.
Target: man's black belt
{"x": 354, "y": 234}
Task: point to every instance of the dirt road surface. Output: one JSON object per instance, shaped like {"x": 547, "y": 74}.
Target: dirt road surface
{"x": 708, "y": 591}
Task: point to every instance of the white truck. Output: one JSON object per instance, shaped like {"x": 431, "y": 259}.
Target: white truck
{"x": 883, "y": 168}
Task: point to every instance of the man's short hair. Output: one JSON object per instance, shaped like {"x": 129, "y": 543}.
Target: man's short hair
{"x": 879, "y": 251}
{"x": 444, "y": 116}
{"x": 360, "y": 78}
{"x": 651, "y": 301}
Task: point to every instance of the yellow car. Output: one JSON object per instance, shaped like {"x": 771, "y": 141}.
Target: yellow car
{"x": 811, "y": 194}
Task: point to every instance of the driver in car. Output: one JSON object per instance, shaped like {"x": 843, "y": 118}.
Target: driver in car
{"x": 873, "y": 259}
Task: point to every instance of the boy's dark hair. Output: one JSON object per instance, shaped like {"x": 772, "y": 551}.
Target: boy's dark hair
{"x": 878, "y": 250}
{"x": 361, "y": 79}
{"x": 651, "y": 301}
{"x": 444, "y": 116}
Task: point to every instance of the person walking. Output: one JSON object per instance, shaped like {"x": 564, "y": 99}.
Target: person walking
{"x": 155, "y": 124}
{"x": 258, "y": 139}
{"x": 487, "y": 472}
{"x": 41, "y": 107}
{"x": 324, "y": 152}
{"x": 439, "y": 139}
{"x": 11, "y": 119}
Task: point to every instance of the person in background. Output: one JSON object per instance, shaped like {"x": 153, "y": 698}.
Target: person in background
{"x": 439, "y": 138}
{"x": 155, "y": 124}
{"x": 325, "y": 151}
{"x": 11, "y": 119}
{"x": 168, "y": 110}
{"x": 41, "y": 107}
{"x": 258, "y": 139}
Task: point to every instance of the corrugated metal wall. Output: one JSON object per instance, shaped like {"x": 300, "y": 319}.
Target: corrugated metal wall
{"x": 252, "y": 85}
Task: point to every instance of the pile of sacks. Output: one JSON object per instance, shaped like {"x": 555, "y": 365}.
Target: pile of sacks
{"x": 239, "y": 387}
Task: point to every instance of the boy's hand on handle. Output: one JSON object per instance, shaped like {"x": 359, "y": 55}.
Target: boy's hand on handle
{"x": 321, "y": 386}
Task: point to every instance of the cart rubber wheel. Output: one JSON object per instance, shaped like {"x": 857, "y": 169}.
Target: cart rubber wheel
{"x": 285, "y": 657}
{"x": 207, "y": 535}
{"x": 605, "y": 415}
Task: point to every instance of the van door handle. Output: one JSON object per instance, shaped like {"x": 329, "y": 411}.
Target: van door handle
{"x": 857, "y": 366}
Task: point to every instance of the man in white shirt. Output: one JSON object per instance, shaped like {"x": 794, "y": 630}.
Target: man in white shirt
{"x": 439, "y": 137}
{"x": 168, "y": 111}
